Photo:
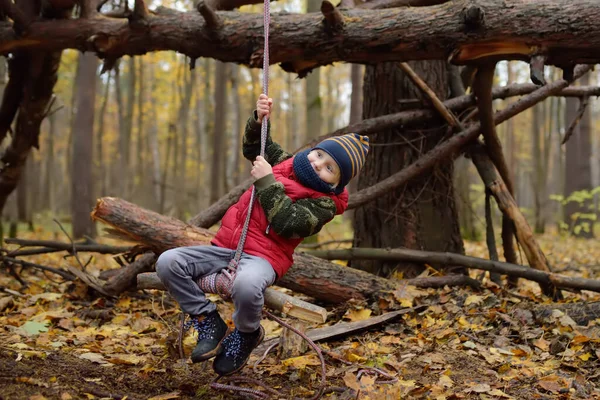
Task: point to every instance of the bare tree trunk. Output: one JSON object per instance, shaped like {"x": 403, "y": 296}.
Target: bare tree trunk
{"x": 539, "y": 194}
{"x": 236, "y": 130}
{"x": 578, "y": 170}
{"x": 82, "y": 198}
{"x": 181, "y": 197}
{"x": 153, "y": 143}
{"x": 218, "y": 156}
{"x": 101, "y": 170}
{"x": 141, "y": 154}
{"x": 125, "y": 106}
{"x": 314, "y": 102}
{"x": 422, "y": 213}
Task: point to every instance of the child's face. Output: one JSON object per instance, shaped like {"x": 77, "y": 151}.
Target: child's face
{"x": 325, "y": 166}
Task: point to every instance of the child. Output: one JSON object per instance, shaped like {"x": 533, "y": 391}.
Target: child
{"x": 295, "y": 199}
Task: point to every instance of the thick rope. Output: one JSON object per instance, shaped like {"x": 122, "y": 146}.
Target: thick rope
{"x": 221, "y": 282}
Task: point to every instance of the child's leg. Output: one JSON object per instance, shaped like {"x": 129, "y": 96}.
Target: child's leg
{"x": 254, "y": 275}
{"x": 179, "y": 269}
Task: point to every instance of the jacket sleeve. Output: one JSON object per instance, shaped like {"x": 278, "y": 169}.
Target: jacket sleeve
{"x": 274, "y": 154}
{"x": 292, "y": 219}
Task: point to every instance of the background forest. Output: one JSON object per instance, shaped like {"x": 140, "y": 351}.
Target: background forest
{"x": 168, "y": 138}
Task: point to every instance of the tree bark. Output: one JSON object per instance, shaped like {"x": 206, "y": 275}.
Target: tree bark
{"x": 514, "y": 29}
{"x": 82, "y": 184}
{"x": 419, "y": 214}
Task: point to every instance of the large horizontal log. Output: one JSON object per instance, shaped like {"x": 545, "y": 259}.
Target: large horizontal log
{"x": 565, "y": 32}
{"x": 428, "y": 257}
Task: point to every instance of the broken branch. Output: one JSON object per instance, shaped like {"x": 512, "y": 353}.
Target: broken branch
{"x": 333, "y": 17}
{"x": 583, "y": 102}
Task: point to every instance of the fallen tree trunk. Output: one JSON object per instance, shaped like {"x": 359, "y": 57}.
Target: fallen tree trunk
{"x": 542, "y": 277}
{"x": 314, "y": 276}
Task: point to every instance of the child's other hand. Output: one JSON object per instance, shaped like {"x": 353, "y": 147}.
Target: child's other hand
{"x": 263, "y": 107}
{"x": 261, "y": 168}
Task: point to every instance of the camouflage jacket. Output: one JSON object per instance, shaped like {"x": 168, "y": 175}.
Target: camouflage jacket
{"x": 289, "y": 219}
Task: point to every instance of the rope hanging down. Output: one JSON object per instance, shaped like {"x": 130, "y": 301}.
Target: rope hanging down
{"x": 221, "y": 282}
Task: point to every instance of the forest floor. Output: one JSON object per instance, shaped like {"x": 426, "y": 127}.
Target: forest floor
{"x": 58, "y": 341}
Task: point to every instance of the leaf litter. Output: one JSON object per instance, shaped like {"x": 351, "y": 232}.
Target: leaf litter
{"x": 59, "y": 341}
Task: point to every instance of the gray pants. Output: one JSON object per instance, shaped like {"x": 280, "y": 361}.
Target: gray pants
{"x": 179, "y": 269}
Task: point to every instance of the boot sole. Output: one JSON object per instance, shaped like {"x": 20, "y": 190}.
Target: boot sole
{"x": 262, "y": 336}
{"x": 212, "y": 353}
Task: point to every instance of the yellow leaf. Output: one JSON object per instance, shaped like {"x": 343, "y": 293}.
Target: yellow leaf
{"x": 585, "y": 356}
{"x": 541, "y": 344}
{"x": 445, "y": 381}
{"x": 356, "y": 358}
{"x": 301, "y": 362}
{"x": 358, "y": 315}
{"x": 124, "y": 302}
{"x": 125, "y": 359}
{"x": 473, "y": 299}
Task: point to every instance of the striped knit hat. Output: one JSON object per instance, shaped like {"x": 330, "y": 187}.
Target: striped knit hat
{"x": 349, "y": 152}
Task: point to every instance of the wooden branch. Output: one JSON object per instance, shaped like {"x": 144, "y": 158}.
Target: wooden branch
{"x": 452, "y": 146}
{"x": 344, "y": 328}
{"x": 511, "y": 211}
{"x": 402, "y": 34}
{"x": 213, "y": 22}
{"x": 127, "y": 276}
{"x": 49, "y": 246}
{"x": 580, "y": 111}
{"x": 428, "y": 257}
{"x": 334, "y": 20}
{"x": 21, "y": 21}
{"x": 140, "y": 12}
{"x": 61, "y": 273}
{"x": 274, "y": 299}
{"x": 536, "y": 70}
{"x": 490, "y": 238}
{"x": 88, "y": 8}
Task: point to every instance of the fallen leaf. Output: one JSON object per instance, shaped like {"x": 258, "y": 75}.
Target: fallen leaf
{"x": 94, "y": 357}
{"x": 125, "y": 359}
{"x": 31, "y": 328}
{"x": 351, "y": 381}
{"x": 358, "y": 315}
{"x": 301, "y": 362}
{"x": 166, "y": 396}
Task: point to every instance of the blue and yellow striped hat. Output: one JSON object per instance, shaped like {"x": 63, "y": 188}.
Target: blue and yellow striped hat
{"x": 349, "y": 152}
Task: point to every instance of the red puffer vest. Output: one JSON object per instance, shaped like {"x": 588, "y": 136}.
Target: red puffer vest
{"x": 262, "y": 241}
